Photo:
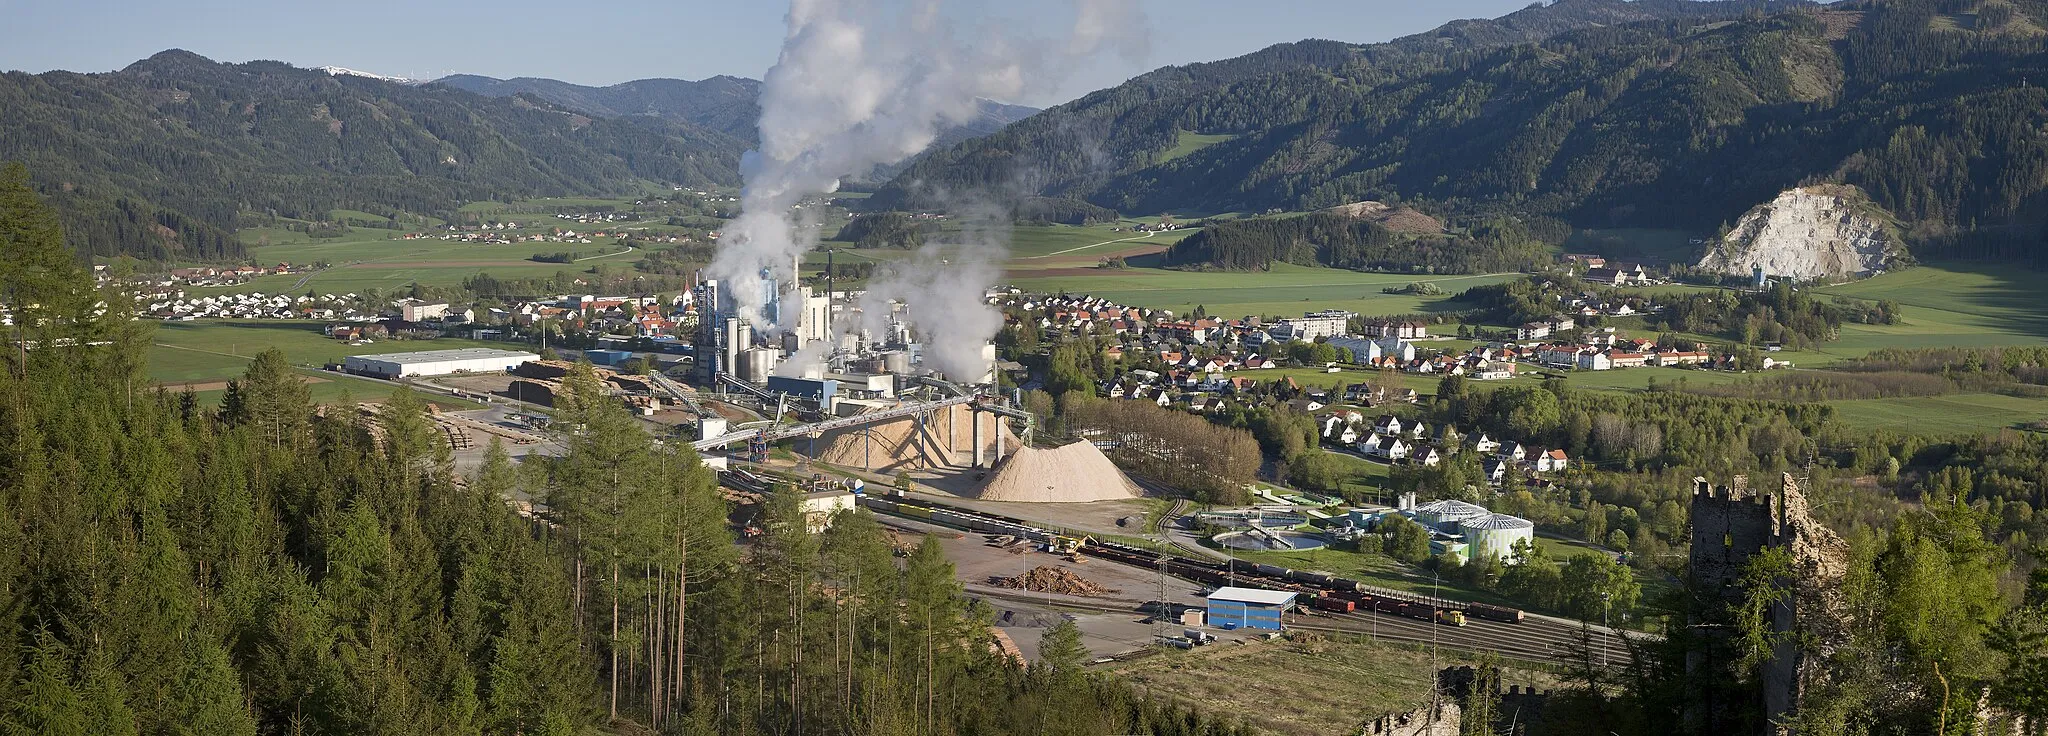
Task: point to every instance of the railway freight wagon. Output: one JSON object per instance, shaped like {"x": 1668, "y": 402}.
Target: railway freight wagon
{"x": 1494, "y": 613}
{"x": 1335, "y": 604}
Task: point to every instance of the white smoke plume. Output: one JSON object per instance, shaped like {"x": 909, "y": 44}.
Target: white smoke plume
{"x": 941, "y": 290}
{"x": 862, "y": 83}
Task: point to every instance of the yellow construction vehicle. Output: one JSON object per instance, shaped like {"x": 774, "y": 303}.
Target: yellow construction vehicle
{"x": 1065, "y": 545}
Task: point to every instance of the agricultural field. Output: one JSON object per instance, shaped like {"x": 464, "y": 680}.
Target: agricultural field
{"x": 1317, "y": 377}
{"x": 1949, "y": 304}
{"x": 1286, "y": 289}
{"x": 1329, "y": 684}
{"x": 1942, "y": 415}
{"x": 204, "y": 355}
{"x": 1635, "y": 379}
{"x": 367, "y": 258}
{"x": 1040, "y": 247}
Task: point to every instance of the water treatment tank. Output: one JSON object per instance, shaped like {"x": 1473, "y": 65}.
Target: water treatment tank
{"x": 1495, "y": 535}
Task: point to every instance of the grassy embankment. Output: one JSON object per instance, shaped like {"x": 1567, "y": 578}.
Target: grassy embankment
{"x": 1316, "y": 685}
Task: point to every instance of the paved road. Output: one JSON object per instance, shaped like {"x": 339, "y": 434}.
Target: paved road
{"x": 303, "y": 279}
{"x": 628, "y": 249}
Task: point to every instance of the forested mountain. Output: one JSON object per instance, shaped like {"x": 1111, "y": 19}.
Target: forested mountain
{"x": 162, "y": 158}
{"x": 1078, "y": 147}
{"x": 722, "y": 103}
{"x": 1684, "y": 115}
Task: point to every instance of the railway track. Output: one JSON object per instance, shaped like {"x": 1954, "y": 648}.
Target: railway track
{"x": 1179, "y": 507}
{"x": 1532, "y": 638}
{"x": 1504, "y": 640}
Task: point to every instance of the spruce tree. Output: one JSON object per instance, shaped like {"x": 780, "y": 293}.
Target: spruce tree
{"x": 274, "y": 399}
{"x": 48, "y": 702}
{"x": 1060, "y": 651}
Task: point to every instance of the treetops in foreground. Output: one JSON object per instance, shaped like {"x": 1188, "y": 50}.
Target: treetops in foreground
{"x": 269, "y": 566}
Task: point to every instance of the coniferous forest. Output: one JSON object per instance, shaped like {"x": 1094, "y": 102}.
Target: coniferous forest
{"x": 267, "y": 566}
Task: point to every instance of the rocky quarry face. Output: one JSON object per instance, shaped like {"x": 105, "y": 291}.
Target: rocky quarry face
{"x": 1820, "y": 232}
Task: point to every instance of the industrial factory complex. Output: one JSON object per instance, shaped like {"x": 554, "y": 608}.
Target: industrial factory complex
{"x": 845, "y": 406}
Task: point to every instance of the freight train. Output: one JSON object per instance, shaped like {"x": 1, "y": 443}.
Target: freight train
{"x": 1323, "y": 592}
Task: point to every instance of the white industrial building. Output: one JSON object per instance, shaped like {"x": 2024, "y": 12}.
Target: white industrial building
{"x": 436, "y": 362}
{"x": 1466, "y": 530}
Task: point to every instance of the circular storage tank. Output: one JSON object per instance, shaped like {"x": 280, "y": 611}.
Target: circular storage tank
{"x": 1447, "y": 514}
{"x": 1495, "y": 535}
{"x": 757, "y": 365}
{"x": 1280, "y": 540}
{"x": 897, "y": 362}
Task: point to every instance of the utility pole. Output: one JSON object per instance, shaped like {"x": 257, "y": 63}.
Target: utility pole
{"x": 1435, "y": 617}
{"x": 1161, "y": 609}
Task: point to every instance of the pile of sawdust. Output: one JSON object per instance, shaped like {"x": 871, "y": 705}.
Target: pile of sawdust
{"x": 1073, "y": 473}
{"x": 944, "y": 440}
{"x": 1059, "y": 580}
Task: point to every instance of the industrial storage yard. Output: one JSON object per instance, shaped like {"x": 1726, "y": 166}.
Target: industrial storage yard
{"x": 943, "y": 442}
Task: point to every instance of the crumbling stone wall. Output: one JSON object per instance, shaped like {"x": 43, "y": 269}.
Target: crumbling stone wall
{"x": 1730, "y": 526}
{"x": 1440, "y": 717}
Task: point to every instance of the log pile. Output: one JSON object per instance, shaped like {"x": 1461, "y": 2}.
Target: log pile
{"x": 1045, "y": 579}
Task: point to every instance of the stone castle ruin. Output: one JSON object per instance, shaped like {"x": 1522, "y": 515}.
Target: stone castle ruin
{"x": 1731, "y": 525}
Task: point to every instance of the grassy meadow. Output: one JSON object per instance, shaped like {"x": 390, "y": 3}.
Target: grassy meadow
{"x": 1285, "y": 289}
{"x": 1188, "y": 143}
{"x": 205, "y": 354}
{"x": 1354, "y": 680}
{"x": 1936, "y": 416}
{"x": 1950, "y": 304}
{"x": 366, "y": 258}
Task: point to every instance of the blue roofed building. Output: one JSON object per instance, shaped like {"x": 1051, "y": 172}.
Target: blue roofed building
{"x": 1248, "y": 608}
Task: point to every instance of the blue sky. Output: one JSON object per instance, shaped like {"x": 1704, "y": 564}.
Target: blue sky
{"x": 609, "y": 42}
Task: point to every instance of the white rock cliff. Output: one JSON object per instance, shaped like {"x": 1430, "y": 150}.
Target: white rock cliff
{"x": 1819, "y": 232}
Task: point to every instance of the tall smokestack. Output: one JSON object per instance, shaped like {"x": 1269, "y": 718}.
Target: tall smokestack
{"x": 862, "y": 83}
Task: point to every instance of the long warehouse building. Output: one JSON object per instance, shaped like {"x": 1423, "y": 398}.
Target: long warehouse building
{"x": 436, "y": 362}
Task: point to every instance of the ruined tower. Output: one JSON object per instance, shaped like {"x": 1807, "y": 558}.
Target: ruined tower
{"x": 1730, "y": 526}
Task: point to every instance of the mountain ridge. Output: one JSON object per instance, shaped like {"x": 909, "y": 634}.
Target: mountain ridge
{"x": 1673, "y": 122}
{"x": 162, "y": 158}
{"x": 724, "y": 102}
